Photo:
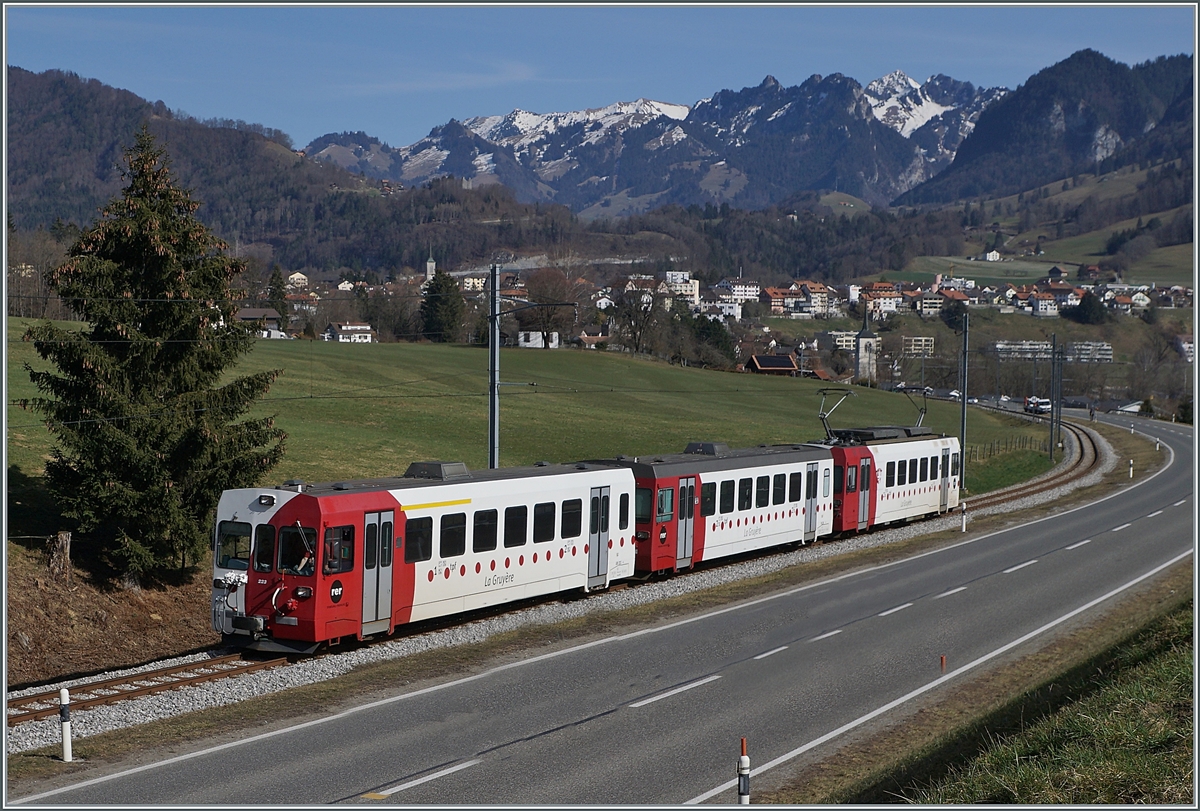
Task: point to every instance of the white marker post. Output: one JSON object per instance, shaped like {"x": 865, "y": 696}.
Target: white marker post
{"x": 64, "y": 714}
{"x": 743, "y": 776}
{"x": 964, "y": 516}
{"x": 1131, "y": 468}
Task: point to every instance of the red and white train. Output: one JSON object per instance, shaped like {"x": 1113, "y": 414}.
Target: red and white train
{"x": 297, "y": 566}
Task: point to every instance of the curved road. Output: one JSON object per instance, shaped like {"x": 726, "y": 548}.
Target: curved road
{"x": 655, "y": 717}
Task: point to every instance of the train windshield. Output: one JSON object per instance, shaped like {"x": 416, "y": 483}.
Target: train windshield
{"x": 297, "y": 550}
{"x": 233, "y": 545}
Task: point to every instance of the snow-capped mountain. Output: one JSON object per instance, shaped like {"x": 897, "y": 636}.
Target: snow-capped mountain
{"x": 751, "y": 148}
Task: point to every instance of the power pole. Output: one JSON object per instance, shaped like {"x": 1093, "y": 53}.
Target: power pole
{"x": 494, "y": 370}
{"x": 962, "y": 427}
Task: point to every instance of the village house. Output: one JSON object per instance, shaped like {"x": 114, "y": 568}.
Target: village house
{"x": 1043, "y": 305}
{"x": 297, "y": 280}
{"x": 349, "y": 332}
{"x": 682, "y": 285}
{"x": 272, "y": 326}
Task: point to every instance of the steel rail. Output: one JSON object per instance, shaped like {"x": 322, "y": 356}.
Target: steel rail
{"x": 110, "y": 691}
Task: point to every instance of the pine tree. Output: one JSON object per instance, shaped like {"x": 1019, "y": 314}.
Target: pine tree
{"x": 443, "y": 308}
{"x": 146, "y": 435}
{"x": 277, "y": 296}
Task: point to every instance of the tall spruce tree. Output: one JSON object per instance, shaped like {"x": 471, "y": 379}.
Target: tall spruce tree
{"x": 443, "y": 308}
{"x": 146, "y": 433}
{"x": 277, "y": 296}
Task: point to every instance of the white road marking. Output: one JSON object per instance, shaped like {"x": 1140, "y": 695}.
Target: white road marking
{"x": 1123, "y": 526}
{"x": 1020, "y": 566}
{"x": 1181, "y": 501}
{"x": 826, "y": 636}
{"x": 1157, "y": 512}
{"x": 951, "y": 591}
{"x": 387, "y": 792}
{"x": 772, "y": 652}
{"x": 925, "y": 688}
{"x": 1077, "y": 545}
{"x": 669, "y": 693}
{"x": 894, "y": 610}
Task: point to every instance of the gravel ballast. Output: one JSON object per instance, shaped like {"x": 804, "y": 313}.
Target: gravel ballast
{"x": 84, "y": 723}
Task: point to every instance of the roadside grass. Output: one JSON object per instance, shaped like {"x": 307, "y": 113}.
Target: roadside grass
{"x": 191, "y": 731}
{"x": 1077, "y": 721}
{"x": 1006, "y": 469}
{"x": 1127, "y": 740}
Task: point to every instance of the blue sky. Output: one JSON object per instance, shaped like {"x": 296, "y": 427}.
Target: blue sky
{"x": 395, "y": 72}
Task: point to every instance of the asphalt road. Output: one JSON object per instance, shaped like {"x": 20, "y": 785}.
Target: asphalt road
{"x": 655, "y": 717}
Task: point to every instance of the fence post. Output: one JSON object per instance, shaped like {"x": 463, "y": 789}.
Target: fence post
{"x": 743, "y": 775}
{"x": 64, "y": 715}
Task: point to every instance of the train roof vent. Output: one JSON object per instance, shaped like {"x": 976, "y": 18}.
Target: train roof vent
{"x": 542, "y": 464}
{"x": 919, "y": 430}
{"x": 437, "y": 470}
{"x": 707, "y": 448}
{"x": 867, "y": 434}
{"x": 292, "y": 484}
{"x": 341, "y": 486}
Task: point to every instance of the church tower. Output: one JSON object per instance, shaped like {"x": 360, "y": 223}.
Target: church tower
{"x": 866, "y": 350}
{"x": 430, "y": 267}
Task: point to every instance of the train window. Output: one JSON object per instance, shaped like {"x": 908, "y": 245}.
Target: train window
{"x": 483, "y": 538}
{"x": 838, "y": 473}
{"x": 515, "y": 521}
{"x": 644, "y": 505}
{"x": 385, "y": 544}
{"x": 852, "y": 479}
{"x": 264, "y": 548}
{"x": 954, "y": 464}
{"x": 912, "y": 471}
{"x": 933, "y": 463}
{"x": 604, "y": 514}
{"x": 891, "y": 475}
{"x": 762, "y": 491}
{"x": 687, "y": 500}
{"x": 745, "y": 493}
{"x": 420, "y": 539}
{"x": 726, "y": 497}
{"x": 826, "y": 487}
{"x": 339, "y": 549}
{"x": 924, "y": 469}
{"x": 370, "y": 546}
{"x": 624, "y": 513}
{"x": 902, "y": 473}
{"x": 297, "y": 548}
{"x": 795, "y": 486}
{"x": 233, "y": 545}
{"x": 708, "y": 498}
{"x": 543, "y": 521}
{"x": 572, "y": 518}
{"x": 864, "y": 477}
{"x": 666, "y": 505}
{"x": 779, "y": 489}
{"x": 453, "y": 540}
{"x": 812, "y": 485}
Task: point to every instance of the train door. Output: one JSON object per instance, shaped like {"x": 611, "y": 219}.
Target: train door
{"x": 944, "y": 471}
{"x": 598, "y": 538}
{"x": 810, "y": 502}
{"x": 377, "y": 572}
{"x": 686, "y": 528}
{"x": 864, "y": 493}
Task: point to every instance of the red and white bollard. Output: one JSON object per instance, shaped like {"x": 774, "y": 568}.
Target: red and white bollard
{"x": 64, "y": 715}
{"x": 743, "y": 776}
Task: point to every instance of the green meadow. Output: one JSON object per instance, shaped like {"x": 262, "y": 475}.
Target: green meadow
{"x": 362, "y": 410}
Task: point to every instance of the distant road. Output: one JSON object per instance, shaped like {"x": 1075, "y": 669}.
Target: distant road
{"x": 655, "y": 717}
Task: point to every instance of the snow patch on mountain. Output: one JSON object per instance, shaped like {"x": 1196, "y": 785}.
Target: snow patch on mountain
{"x": 902, "y": 104}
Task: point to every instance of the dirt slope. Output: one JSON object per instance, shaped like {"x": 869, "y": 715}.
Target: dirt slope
{"x": 58, "y": 628}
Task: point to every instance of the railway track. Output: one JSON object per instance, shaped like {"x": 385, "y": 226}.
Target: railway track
{"x": 1080, "y": 466}
{"x": 109, "y": 691}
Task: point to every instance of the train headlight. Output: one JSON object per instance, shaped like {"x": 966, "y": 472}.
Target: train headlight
{"x": 266, "y": 500}
{"x": 303, "y": 592}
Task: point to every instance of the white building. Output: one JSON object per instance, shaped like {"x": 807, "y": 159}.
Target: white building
{"x": 534, "y": 340}
{"x": 297, "y": 279}
{"x": 349, "y": 332}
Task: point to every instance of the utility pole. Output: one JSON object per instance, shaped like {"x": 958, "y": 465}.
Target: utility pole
{"x": 1053, "y": 379}
{"x": 962, "y": 427}
{"x": 494, "y": 370}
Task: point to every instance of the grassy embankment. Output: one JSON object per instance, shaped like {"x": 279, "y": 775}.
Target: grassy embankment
{"x": 371, "y": 409}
